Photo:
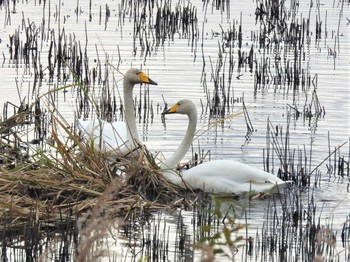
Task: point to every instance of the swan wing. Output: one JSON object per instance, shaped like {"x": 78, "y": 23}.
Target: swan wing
{"x": 229, "y": 176}
{"x": 114, "y": 134}
{"x": 111, "y": 135}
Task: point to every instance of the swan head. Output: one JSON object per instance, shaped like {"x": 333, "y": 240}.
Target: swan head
{"x": 135, "y": 76}
{"x": 184, "y": 106}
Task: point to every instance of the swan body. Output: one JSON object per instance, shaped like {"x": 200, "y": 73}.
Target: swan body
{"x": 227, "y": 176}
{"x": 107, "y": 136}
{"x": 218, "y": 176}
{"x": 118, "y": 137}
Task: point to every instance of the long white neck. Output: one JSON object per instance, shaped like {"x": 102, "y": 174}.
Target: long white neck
{"x": 130, "y": 120}
{"x": 181, "y": 151}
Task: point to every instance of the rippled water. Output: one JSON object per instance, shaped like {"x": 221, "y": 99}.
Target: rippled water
{"x": 177, "y": 66}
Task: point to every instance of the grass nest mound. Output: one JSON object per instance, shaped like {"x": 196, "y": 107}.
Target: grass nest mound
{"x": 76, "y": 178}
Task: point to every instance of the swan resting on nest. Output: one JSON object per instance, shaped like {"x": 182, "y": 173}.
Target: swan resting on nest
{"x": 218, "y": 176}
{"x": 117, "y": 138}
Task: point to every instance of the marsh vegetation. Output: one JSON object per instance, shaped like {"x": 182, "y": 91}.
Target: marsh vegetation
{"x": 270, "y": 83}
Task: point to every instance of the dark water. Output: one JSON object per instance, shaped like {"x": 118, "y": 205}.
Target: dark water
{"x": 184, "y": 65}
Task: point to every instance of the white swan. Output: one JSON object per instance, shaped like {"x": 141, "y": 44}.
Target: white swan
{"x": 219, "y": 176}
{"x": 117, "y": 137}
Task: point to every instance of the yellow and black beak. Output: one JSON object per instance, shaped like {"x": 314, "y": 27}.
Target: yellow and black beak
{"x": 145, "y": 79}
{"x": 171, "y": 110}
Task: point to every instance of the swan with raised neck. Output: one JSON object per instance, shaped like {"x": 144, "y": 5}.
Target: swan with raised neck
{"x": 218, "y": 176}
{"x": 118, "y": 137}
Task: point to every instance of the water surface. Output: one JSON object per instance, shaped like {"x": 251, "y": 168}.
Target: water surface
{"x": 179, "y": 64}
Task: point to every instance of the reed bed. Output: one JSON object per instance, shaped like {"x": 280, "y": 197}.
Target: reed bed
{"x": 275, "y": 56}
{"x": 48, "y": 185}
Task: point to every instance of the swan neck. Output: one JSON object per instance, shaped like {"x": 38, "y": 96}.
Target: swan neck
{"x": 181, "y": 151}
{"x": 130, "y": 119}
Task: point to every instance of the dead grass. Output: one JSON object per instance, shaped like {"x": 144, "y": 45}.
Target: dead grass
{"x": 76, "y": 177}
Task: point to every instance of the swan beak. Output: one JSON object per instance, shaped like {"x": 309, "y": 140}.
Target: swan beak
{"x": 145, "y": 79}
{"x": 171, "y": 110}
